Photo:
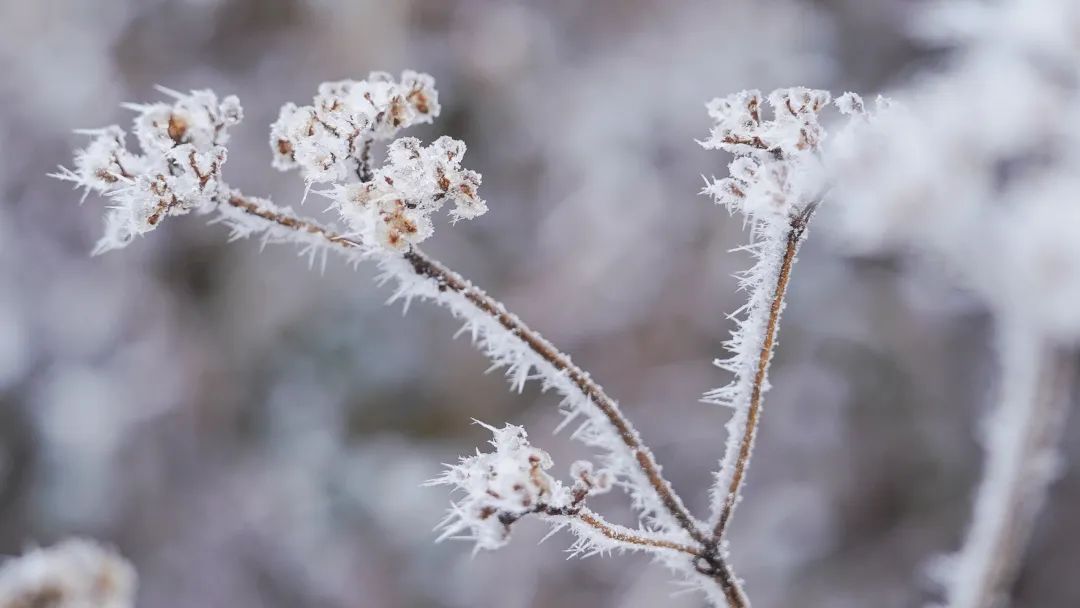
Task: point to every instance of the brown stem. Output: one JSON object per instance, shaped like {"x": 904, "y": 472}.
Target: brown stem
{"x": 707, "y": 559}
{"x": 796, "y": 230}
{"x": 447, "y": 279}
{"x": 625, "y": 535}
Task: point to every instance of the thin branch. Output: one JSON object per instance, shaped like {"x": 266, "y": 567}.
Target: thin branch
{"x": 707, "y": 560}
{"x": 448, "y": 280}
{"x": 1021, "y": 462}
{"x": 622, "y": 534}
{"x": 795, "y": 232}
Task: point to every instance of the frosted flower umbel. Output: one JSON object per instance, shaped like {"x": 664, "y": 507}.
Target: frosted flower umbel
{"x": 330, "y": 138}
{"x": 178, "y": 168}
{"x": 388, "y": 210}
{"x": 774, "y": 171}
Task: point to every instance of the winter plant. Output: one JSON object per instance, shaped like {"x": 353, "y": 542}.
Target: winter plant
{"x": 388, "y": 211}
{"x": 784, "y": 167}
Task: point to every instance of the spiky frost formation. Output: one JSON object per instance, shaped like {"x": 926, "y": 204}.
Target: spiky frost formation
{"x": 72, "y": 574}
{"x": 499, "y": 487}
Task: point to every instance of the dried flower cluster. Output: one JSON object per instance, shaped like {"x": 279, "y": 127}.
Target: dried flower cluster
{"x": 773, "y": 174}
{"x": 395, "y": 206}
{"x": 178, "y": 169}
{"x": 331, "y": 137}
{"x": 72, "y": 574}
{"x": 182, "y": 149}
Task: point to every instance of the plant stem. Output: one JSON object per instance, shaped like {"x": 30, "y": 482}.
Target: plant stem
{"x": 796, "y": 231}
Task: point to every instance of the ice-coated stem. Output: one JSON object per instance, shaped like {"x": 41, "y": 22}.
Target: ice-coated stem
{"x": 776, "y": 258}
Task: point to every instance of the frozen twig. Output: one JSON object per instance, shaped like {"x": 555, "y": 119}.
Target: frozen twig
{"x": 777, "y": 256}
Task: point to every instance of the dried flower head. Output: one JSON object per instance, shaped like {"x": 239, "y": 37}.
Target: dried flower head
{"x": 326, "y": 140}
{"x": 393, "y": 209}
{"x": 178, "y": 169}
{"x": 774, "y": 174}
{"x": 197, "y": 118}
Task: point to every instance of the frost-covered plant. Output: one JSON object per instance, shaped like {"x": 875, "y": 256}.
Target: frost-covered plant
{"x": 72, "y": 574}
{"x": 976, "y": 168}
{"x": 774, "y": 183}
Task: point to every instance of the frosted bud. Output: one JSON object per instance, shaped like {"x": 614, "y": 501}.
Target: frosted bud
{"x": 850, "y": 104}
{"x": 196, "y": 118}
{"x": 105, "y": 162}
{"x": 328, "y": 139}
{"x": 737, "y": 117}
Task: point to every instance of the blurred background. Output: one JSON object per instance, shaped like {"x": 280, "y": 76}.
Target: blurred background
{"x": 253, "y": 433}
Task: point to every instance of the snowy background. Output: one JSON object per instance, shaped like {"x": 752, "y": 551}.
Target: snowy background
{"x": 252, "y": 433}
